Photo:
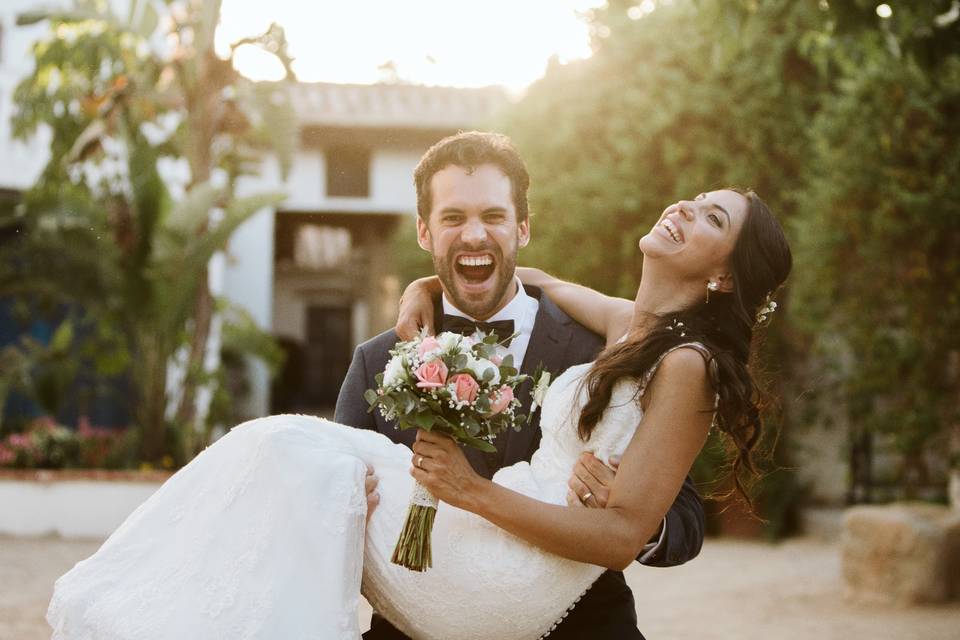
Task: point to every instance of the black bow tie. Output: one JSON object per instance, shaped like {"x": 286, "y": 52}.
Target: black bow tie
{"x": 467, "y": 327}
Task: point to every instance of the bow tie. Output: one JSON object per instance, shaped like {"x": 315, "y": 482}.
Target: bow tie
{"x": 467, "y": 327}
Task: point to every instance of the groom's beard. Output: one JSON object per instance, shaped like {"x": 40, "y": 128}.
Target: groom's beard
{"x": 479, "y": 305}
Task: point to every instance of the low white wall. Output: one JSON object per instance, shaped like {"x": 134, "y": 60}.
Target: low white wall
{"x": 69, "y": 508}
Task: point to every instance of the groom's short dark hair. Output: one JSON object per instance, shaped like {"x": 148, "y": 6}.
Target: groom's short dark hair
{"x": 470, "y": 149}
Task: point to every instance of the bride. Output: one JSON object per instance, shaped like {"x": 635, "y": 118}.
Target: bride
{"x": 263, "y": 535}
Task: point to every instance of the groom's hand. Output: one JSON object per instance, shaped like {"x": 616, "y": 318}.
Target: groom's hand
{"x": 591, "y": 481}
{"x": 373, "y": 496}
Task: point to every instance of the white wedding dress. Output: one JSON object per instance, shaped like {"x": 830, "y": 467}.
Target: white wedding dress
{"x": 262, "y": 536}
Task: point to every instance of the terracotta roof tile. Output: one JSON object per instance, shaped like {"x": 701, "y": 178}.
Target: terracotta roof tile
{"x": 395, "y": 105}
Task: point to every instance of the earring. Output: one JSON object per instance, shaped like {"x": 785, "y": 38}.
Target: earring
{"x": 711, "y": 286}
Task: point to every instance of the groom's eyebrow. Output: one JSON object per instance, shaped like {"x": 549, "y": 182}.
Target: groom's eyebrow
{"x": 496, "y": 209}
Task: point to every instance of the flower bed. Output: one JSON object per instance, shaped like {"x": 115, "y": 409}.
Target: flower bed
{"x": 48, "y": 445}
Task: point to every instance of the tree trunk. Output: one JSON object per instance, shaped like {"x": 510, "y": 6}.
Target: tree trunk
{"x": 202, "y": 317}
{"x": 151, "y": 378}
{"x": 200, "y": 98}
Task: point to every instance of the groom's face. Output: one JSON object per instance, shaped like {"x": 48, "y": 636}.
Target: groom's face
{"x": 473, "y": 235}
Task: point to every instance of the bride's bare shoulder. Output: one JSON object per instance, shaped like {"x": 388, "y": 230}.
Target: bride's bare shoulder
{"x": 682, "y": 371}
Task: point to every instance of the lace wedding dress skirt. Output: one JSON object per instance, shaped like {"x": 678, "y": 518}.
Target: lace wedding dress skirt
{"x": 262, "y": 536}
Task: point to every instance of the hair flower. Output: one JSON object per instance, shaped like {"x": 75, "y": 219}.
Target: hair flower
{"x": 768, "y": 308}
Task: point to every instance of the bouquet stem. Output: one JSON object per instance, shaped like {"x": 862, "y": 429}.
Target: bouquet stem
{"x": 413, "y": 547}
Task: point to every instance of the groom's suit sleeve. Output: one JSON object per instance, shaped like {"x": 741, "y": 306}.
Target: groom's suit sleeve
{"x": 682, "y": 535}
{"x": 369, "y": 359}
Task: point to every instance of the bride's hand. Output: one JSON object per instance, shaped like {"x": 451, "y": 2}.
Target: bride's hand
{"x": 416, "y": 308}
{"x": 440, "y": 465}
{"x": 370, "y": 486}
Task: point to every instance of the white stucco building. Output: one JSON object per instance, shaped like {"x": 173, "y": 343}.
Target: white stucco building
{"x": 317, "y": 271}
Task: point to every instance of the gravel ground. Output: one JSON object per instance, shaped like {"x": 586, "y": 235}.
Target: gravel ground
{"x": 735, "y": 589}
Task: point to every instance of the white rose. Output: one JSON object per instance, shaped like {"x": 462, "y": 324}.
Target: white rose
{"x": 395, "y": 373}
{"x": 479, "y": 365}
{"x": 449, "y": 341}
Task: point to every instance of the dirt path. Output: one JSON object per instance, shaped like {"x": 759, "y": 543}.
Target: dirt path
{"x": 737, "y": 590}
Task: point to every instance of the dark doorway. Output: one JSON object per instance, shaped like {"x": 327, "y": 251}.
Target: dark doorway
{"x": 328, "y": 352}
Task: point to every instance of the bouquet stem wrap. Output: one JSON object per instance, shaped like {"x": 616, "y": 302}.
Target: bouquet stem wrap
{"x": 413, "y": 546}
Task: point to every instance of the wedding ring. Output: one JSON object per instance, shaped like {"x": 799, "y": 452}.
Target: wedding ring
{"x": 586, "y": 496}
{"x": 419, "y": 462}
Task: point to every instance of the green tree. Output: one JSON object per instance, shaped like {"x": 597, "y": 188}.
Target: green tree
{"x": 100, "y": 229}
{"x": 880, "y": 238}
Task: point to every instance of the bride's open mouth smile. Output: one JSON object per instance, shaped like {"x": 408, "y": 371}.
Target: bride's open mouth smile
{"x": 475, "y": 270}
{"x": 667, "y": 228}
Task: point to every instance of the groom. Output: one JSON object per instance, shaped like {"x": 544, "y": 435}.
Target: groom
{"x": 473, "y": 219}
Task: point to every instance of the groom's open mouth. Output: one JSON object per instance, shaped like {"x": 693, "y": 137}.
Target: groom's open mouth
{"x": 475, "y": 269}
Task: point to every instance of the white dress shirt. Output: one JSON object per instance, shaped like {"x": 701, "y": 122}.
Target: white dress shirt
{"x": 522, "y": 309}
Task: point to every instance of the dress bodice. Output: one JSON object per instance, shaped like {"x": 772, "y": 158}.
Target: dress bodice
{"x": 561, "y": 445}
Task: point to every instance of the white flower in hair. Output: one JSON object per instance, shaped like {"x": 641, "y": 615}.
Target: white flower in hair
{"x": 766, "y": 310}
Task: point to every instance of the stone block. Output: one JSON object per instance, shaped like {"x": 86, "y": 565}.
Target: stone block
{"x": 905, "y": 553}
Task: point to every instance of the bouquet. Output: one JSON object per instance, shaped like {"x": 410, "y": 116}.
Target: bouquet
{"x": 462, "y": 386}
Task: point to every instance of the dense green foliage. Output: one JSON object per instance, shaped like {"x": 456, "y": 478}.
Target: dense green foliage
{"x": 879, "y": 243}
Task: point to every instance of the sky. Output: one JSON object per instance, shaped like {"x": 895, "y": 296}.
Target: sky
{"x": 436, "y": 42}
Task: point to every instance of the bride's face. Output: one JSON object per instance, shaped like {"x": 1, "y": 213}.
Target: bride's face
{"x": 696, "y": 237}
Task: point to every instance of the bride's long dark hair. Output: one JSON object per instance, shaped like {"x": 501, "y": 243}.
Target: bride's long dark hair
{"x": 760, "y": 262}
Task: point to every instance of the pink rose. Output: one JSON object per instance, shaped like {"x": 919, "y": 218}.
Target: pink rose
{"x": 465, "y": 388}
{"x": 429, "y": 344}
{"x": 431, "y": 374}
{"x": 501, "y": 400}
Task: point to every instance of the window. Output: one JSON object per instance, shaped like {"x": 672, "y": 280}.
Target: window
{"x": 348, "y": 171}
{"x": 321, "y": 247}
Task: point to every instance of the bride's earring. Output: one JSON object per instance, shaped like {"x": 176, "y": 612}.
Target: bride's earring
{"x": 711, "y": 286}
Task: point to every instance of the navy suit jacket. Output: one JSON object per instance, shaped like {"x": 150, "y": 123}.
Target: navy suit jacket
{"x": 557, "y": 342}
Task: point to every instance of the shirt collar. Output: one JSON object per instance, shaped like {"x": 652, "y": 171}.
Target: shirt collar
{"x": 514, "y": 310}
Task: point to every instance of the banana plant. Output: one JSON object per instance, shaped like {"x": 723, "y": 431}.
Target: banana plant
{"x": 122, "y": 95}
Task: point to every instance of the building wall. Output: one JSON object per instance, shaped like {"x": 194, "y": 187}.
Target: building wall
{"x": 21, "y": 162}
{"x": 391, "y": 182}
